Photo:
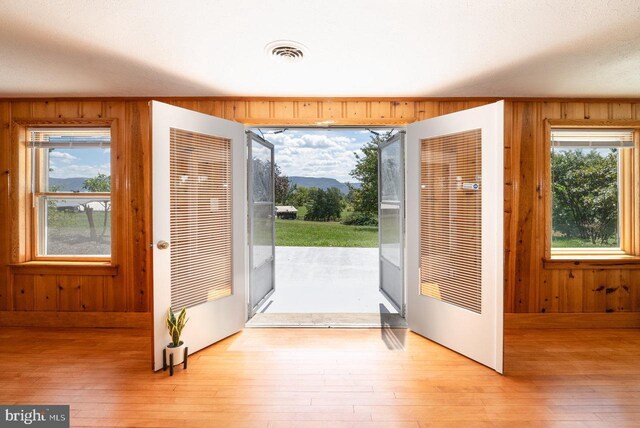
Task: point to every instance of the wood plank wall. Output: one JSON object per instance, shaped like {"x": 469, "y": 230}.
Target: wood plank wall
{"x": 529, "y": 287}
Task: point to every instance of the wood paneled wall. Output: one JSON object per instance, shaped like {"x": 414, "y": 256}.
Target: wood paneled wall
{"x": 76, "y": 288}
{"x": 564, "y": 288}
{"x": 529, "y": 287}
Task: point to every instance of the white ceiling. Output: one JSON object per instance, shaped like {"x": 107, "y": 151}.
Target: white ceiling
{"x": 448, "y": 48}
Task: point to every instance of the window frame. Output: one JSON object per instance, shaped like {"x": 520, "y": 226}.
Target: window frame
{"x": 629, "y": 199}
{"x": 34, "y": 192}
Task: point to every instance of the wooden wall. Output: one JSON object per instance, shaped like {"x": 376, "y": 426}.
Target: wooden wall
{"x": 532, "y": 287}
{"x": 529, "y": 287}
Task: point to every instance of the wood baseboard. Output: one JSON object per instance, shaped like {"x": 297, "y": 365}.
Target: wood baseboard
{"x": 137, "y": 320}
{"x": 575, "y": 320}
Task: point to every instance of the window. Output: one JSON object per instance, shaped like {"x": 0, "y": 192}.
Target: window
{"x": 589, "y": 206}
{"x": 71, "y": 184}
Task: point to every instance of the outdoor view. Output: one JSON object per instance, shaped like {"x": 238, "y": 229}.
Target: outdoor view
{"x": 70, "y": 224}
{"x": 331, "y": 180}
{"x": 585, "y": 198}
{"x": 326, "y": 197}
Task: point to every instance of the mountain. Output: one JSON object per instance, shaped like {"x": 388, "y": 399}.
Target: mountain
{"x": 75, "y": 184}
{"x": 68, "y": 184}
{"x": 321, "y": 183}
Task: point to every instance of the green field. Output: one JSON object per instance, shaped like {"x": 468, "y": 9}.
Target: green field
{"x": 68, "y": 233}
{"x": 566, "y": 242}
{"x": 300, "y": 233}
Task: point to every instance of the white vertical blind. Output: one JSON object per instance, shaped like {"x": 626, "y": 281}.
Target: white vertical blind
{"x": 451, "y": 219}
{"x": 200, "y": 180}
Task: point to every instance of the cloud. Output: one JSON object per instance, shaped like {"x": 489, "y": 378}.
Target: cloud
{"x": 62, "y": 157}
{"x": 317, "y": 153}
{"x": 85, "y": 171}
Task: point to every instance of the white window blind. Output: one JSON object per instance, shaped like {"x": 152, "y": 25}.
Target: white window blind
{"x": 451, "y": 219}
{"x": 70, "y": 137}
{"x": 591, "y": 138}
{"x": 200, "y": 216}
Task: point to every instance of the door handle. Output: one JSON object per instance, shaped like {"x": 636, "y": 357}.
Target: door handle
{"x": 162, "y": 245}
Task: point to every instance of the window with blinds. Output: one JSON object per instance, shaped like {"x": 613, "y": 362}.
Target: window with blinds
{"x": 587, "y": 185}
{"x": 451, "y": 219}
{"x": 71, "y": 188}
{"x": 200, "y": 215}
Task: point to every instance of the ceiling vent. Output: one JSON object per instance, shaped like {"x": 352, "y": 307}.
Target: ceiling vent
{"x": 286, "y": 51}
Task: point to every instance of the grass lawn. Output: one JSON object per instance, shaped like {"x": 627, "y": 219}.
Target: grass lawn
{"x": 565, "y": 242}
{"x": 300, "y": 233}
{"x": 68, "y": 233}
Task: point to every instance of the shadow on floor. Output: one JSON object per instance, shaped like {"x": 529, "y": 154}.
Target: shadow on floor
{"x": 392, "y": 336}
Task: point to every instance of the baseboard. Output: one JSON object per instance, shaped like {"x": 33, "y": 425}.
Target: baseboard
{"x": 138, "y": 320}
{"x": 575, "y": 320}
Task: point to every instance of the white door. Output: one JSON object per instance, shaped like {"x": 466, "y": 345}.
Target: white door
{"x": 262, "y": 226}
{"x": 199, "y": 225}
{"x": 455, "y": 231}
{"x": 391, "y": 219}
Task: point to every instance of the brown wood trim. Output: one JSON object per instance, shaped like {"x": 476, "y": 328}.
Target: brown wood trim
{"x": 68, "y": 268}
{"x": 630, "y": 262}
{"x": 262, "y": 98}
{"x": 320, "y": 122}
{"x": 590, "y": 123}
{"x": 81, "y": 122}
{"x": 573, "y": 320}
{"x": 138, "y": 320}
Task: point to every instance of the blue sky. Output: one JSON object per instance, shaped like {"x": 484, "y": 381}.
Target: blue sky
{"x": 303, "y": 152}
{"x": 69, "y": 163}
{"x": 318, "y": 152}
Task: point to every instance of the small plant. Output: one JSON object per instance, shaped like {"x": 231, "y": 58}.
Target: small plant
{"x": 176, "y": 325}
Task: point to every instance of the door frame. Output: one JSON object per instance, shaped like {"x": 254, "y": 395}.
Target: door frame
{"x": 401, "y": 128}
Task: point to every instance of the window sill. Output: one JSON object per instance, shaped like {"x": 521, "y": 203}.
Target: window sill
{"x": 65, "y": 268}
{"x": 577, "y": 260}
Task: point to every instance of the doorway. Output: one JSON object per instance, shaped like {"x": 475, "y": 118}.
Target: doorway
{"x": 331, "y": 251}
{"x": 199, "y": 184}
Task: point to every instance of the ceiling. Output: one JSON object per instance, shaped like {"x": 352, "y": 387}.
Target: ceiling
{"x": 382, "y": 48}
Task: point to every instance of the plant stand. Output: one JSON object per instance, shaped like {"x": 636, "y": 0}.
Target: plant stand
{"x": 170, "y": 365}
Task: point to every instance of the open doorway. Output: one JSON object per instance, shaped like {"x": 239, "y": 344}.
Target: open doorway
{"x": 332, "y": 252}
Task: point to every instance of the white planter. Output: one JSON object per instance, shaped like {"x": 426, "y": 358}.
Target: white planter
{"x": 178, "y": 354}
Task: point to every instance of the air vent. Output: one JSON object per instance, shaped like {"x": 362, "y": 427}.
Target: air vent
{"x": 286, "y": 50}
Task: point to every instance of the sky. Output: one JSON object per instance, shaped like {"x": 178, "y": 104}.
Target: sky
{"x": 317, "y": 152}
{"x": 71, "y": 163}
{"x": 298, "y": 152}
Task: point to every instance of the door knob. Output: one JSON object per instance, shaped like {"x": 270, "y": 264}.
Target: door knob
{"x": 162, "y": 245}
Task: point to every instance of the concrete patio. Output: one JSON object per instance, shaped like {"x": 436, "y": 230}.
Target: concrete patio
{"x": 327, "y": 280}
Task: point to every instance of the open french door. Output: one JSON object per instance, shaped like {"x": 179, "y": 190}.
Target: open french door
{"x": 199, "y": 227}
{"x": 455, "y": 231}
{"x": 262, "y": 244}
{"x": 391, "y": 219}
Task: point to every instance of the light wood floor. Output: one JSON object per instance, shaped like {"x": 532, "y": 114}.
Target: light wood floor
{"x": 327, "y": 378}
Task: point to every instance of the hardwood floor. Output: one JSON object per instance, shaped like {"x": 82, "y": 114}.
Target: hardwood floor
{"x": 327, "y": 378}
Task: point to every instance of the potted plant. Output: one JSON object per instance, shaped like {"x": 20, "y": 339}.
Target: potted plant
{"x": 175, "y": 326}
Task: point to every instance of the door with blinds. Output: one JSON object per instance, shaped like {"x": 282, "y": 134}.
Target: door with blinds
{"x": 262, "y": 224}
{"x": 455, "y": 247}
{"x": 391, "y": 219}
{"x": 198, "y": 225}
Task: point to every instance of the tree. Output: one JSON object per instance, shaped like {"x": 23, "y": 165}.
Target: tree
{"x": 98, "y": 184}
{"x": 299, "y": 196}
{"x": 585, "y": 194}
{"x": 324, "y": 205}
{"x": 283, "y": 188}
{"x": 365, "y": 198}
